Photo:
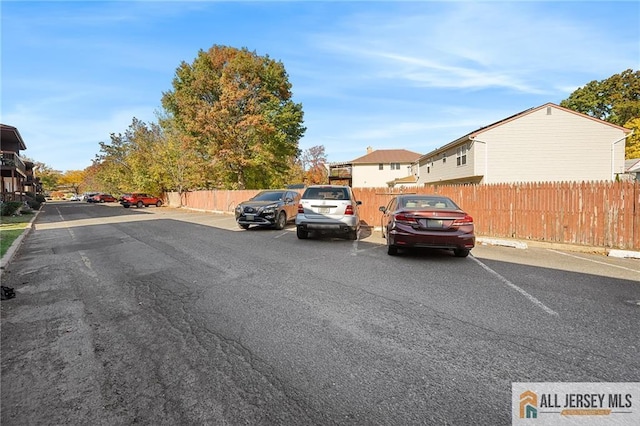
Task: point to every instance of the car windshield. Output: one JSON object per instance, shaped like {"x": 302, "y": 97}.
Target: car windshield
{"x": 269, "y": 196}
{"x": 328, "y": 193}
{"x": 428, "y": 203}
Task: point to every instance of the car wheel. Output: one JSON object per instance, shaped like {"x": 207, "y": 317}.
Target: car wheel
{"x": 281, "y": 222}
{"x": 461, "y": 252}
{"x": 243, "y": 226}
{"x": 126, "y": 206}
{"x": 301, "y": 233}
{"x": 139, "y": 204}
{"x": 102, "y": 201}
{"x": 391, "y": 249}
{"x": 353, "y": 235}
{"x": 159, "y": 203}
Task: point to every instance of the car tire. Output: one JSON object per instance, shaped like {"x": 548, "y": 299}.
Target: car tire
{"x": 461, "y": 252}
{"x": 140, "y": 204}
{"x": 243, "y": 226}
{"x": 281, "y": 221}
{"x": 352, "y": 235}
{"x": 159, "y": 203}
{"x": 392, "y": 250}
{"x": 101, "y": 200}
{"x": 126, "y": 206}
{"x": 301, "y": 233}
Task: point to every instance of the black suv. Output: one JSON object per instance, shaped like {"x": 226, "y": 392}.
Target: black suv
{"x": 273, "y": 208}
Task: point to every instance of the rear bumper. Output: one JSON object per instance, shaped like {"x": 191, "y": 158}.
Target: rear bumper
{"x": 336, "y": 227}
{"x": 455, "y": 241}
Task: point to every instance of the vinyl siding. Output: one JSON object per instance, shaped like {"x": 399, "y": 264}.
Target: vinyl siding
{"x": 535, "y": 147}
{"x": 369, "y": 175}
{"x": 561, "y": 146}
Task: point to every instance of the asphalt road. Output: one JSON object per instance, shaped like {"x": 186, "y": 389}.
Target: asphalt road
{"x": 161, "y": 316}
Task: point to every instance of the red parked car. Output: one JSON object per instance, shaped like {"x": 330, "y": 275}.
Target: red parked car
{"x": 102, "y": 198}
{"x": 430, "y": 221}
{"x": 139, "y": 200}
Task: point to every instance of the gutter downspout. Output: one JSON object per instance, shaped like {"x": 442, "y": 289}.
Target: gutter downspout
{"x": 486, "y": 155}
{"x": 613, "y": 177}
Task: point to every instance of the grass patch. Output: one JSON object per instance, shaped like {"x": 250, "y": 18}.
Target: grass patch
{"x": 11, "y": 227}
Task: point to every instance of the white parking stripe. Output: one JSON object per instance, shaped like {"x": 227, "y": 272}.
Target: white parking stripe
{"x": 594, "y": 261}
{"x": 516, "y": 288}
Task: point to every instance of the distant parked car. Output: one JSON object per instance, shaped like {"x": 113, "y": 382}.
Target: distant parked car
{"x": 139, "y": 199}
{"x": 273, "y": 208}
{"x": 429, "y": 221}
{"x": 88, "y": 195}
{"x": 75, "y": 198}
{"x": 102, "y": 198}
{"x": 328, "y": 209}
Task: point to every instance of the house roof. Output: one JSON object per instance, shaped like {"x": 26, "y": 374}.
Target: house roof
{"x": 472, "y": 135}
{"x": 10, "y": 133}
{"x": 632, "y": 165}
{"x": 406, "y": 179}
{"x": 387, "y": 156}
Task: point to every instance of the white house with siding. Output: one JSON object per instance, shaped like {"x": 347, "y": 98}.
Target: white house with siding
{"x": 547, "y": 143}
{"x": 377, "y": 169}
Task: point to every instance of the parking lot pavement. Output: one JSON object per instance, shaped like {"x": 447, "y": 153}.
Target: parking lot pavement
{"x": 538, "y": 255}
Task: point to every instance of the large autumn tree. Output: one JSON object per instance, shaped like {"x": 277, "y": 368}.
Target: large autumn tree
{"x": 236, "y": 109}
{"x": 615, "y": 99}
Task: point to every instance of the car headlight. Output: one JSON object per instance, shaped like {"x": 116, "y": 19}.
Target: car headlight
{"x": 269, "y": 209}
{"x": 239, "y": 208}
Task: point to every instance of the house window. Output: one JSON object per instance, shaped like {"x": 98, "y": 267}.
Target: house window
{"x": 461, "y": 155}
{"x": 428, "y": 169}
{"x": 395, "y": 166}
{"x": 380, "y": 166}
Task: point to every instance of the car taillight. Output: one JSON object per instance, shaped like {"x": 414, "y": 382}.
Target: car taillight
{"x": 348, "y": 210}
{"x": 300, "y": 208}
{"x": 403, "y": 218}
{"x": 467, "y": 220}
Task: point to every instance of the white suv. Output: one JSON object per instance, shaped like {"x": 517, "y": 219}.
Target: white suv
{"x": 328, "y": 209}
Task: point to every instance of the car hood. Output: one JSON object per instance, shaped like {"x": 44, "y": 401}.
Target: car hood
{"x": 259, "y": 203}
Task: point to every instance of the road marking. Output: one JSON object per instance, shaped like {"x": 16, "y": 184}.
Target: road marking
{"x": 594, "y": 261}
{"x": 516, "y": 288}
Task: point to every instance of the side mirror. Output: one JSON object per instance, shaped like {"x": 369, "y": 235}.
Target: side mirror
{"x": 288, "y": 200}
{"x": 383, "y": 209}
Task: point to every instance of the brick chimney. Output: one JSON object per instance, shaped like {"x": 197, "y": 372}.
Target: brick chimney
{"x": 369, "y": 150}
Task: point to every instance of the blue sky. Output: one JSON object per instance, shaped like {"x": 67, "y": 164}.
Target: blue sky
{"x": 413, "y": 75}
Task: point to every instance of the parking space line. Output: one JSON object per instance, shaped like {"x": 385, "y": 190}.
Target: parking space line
{"x": 594, "y": 261}
{"x": 516, "y": 288}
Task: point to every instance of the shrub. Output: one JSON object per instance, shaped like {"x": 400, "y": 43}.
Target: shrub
{"x": 10, "y": 208}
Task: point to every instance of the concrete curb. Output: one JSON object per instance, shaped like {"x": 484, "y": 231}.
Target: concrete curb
{"x": 8, "y": 256}
{"x": 624, "y": 254}
{"x": 504, "y": 243}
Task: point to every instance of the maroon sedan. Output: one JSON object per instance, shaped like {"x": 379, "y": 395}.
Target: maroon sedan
{"x": 429, "y": 221}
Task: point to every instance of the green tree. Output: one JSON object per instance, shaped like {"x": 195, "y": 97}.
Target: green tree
{"x": 632, "y": 146}
{"x": 48, "y": 177}
{"x": 235, "y": 109}
{"x": 615, "y": 99}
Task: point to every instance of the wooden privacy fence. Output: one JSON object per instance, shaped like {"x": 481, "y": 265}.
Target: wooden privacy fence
{"x": 599, "y": 214}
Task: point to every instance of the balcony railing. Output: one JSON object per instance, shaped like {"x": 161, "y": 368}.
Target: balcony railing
{"x": 9, "y": 160}
{"x": 340, "y": 172}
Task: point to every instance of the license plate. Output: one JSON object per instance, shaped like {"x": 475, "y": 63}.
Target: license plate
{"x": 323, "y": 210}
{"x": 249, "y": 217}
{"x": 434, "y": 223}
